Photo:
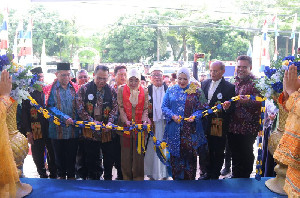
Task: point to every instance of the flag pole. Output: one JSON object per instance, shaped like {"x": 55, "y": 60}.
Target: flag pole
{"x": 293, "y": 34}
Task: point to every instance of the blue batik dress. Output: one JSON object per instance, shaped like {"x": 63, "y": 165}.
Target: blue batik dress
{"x": 184, "y": 138}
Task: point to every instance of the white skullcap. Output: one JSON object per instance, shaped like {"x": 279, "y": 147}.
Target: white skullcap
{"x": 135, "y": 73}
{"x": 155, "y": 68}
{"x": 184, "y": 70}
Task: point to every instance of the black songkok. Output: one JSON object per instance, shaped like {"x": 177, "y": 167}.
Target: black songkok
{"x": 37, "y": 70}
{"x": 63, "y": 66}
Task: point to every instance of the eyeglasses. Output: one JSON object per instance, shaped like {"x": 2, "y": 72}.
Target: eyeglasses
{"x": 65, "y": 75}
{"x": 102, "y": 79}
{"x": 156, "y": 75}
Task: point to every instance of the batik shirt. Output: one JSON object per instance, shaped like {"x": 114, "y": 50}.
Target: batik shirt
{"x": 106, "y": 99}
{"x": 62, "y": 103}
{"x": 177, "y": 102}
{"x": 245, "y": 119}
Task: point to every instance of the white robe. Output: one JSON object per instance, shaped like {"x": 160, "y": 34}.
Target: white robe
{"x": 153, "y": 167}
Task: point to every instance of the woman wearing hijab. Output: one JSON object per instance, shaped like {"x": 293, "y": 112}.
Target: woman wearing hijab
{"x": 184, "y": 100}
{"x": 133, "y": 107}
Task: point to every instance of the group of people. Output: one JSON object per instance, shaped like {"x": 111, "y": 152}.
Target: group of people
{"x": 174, "y": 113}
{"x": 87, "y": 154}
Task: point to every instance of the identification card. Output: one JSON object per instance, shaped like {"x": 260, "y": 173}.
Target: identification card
{"x": 97, "y": 111}
{"x": 216, "y": 127}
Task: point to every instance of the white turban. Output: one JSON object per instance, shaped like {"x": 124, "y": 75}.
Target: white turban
{"x": 135, "y": 73}
{"x": 184, "y": 70}
{"x": 155, "y": 68}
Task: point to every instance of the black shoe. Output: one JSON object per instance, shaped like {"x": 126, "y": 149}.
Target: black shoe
{"x": 205, "y": 176}
{"x": 53, "y": 176}
{"x": 225, "y": 171}
{"x": 120, "y": 177}
{"x": 43, "y": 176}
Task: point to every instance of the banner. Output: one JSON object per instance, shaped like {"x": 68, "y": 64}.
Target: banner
{"x": 4, "y": 31}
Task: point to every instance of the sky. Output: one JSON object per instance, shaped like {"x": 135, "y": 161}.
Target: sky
{"x": 92, "y": 15}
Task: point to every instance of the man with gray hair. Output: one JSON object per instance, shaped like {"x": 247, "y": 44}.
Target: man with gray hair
{"x": 217, "y": 90}
{"x": 82, "y": 77}
{"x": 60, "y": 99}
{"x": 153, "y": 167}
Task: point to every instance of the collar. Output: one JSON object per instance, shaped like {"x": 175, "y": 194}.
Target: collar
{"x": 218, "y": 81}
{"x": 162, "y": 85}
{"x": 58, "y": 85}
{"x": 247, "y": 78}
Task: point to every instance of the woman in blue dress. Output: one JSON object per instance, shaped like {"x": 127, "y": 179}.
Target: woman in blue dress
{"x": 184, "y": 100}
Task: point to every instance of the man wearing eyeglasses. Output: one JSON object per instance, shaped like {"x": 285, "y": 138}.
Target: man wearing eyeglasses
{"x": 153, "y": 167}
{"x": 60, "y": 98}
{"x": 96, "y": 102}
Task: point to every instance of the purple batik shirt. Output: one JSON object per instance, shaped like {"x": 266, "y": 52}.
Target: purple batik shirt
{"x": 245, "y": 119}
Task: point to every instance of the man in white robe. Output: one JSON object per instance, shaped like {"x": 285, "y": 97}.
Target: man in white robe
{"x": 153, "y": 167}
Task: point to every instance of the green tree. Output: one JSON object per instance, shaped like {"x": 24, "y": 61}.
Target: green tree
{"x": 127, "y": 42}
{"x": 60, "y": 35}
{"x": 221, "y": 44}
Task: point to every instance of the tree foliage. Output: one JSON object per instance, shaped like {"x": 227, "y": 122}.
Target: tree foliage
{"x": 175, "y": 34}
{"x": 126, "y": 42}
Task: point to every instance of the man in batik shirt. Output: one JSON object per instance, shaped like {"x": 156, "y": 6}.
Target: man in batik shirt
{"x": 244, "y": 124}
{"x": 60, "y": 97}
{"x": 97, "y": 102}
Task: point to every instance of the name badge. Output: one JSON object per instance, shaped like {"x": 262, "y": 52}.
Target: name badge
{"x": 97, "y": 111}
{"x": 216, "y": 127}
